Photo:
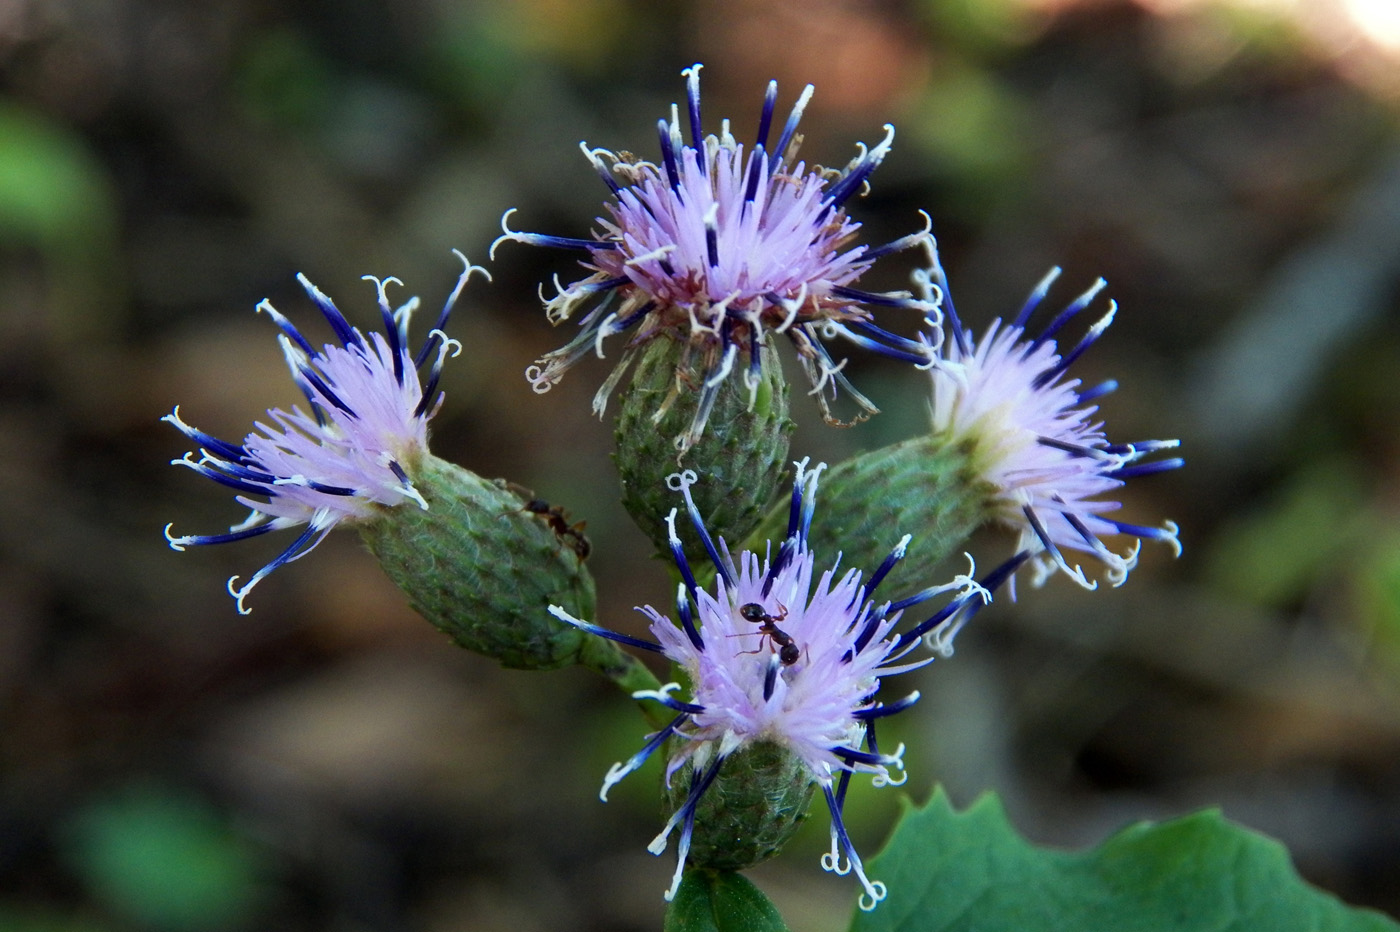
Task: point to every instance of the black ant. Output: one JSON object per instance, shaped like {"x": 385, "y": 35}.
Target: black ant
{"x": 788, "y": 651}
{"x": 559, "y": 524}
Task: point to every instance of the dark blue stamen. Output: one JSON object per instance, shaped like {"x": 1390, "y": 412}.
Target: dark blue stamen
{"x": 1075, "y": 449}
{"x": 1098, "y": 391}
{"x": 391, "y": 332}
{"x": 973, "y": 601}
{"x": 1138, "y": 530}
{"x": 1040, "y": 532}
{"x": 872, "y": 623}
{"x": 692, "y": 93}
{"x": 222, "y": 448}
{"x": 616, "y": 636}
{"x": 607, "y": 176}
{"x": 688, "y": 620}
{"x": 1036, "y": 296}
{"x": 1078, "y": 524}
{"x": 295, "y": 550}
{"x": 712, "y": 243}
{"x": 755, "y": 356}
{"x": 897, "y": 245}
{"x": 683, "y": 565}
{"x": 688, "y": 708}
{"x": 291, "y": 331}
{"x": 1069, "y": 358}
{"x": 918, "y": 357}
{"x": 238, "y": 485}
{"x": 1141, "y": 447}
{"x": 859, "y": 757}
{"x": 849, "y": 184}
{"x": 757, "y": 161}
{"x": 564, "y": 242}
{"x": 655, "y": 742}
{"x": 789, "y": 129}
{"x": 1077, "y": 305}
{"x": 882, "y": 710}
{"x": 328, "y": 489}
{"x": 877, "y": 298}
{"x": 430, "y": 395}
{"x": 631, "y": 319}
{"x": 324, "y": 390}
{"x": 1146, "y": 469}
{"x": 938, "y": 277}
{"x": 765, "y": 119}
{"x": 770, "y": 676}
{"x": 347, "y": 334}
{"x": 229, "y": 538}
{"x": 878, "y": 577}
{"x": 839, "y": 797}
{"x": 698, "y": 785}
{"x": 668, "y": 154}
{"x": 721, "y": 566}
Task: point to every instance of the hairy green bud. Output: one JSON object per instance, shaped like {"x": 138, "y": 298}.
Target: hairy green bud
{"x": 924, "y": 486}
{"x": 739, "y": 445}
{"x": 754, "y": 806}
{"x": 484, "y": 569}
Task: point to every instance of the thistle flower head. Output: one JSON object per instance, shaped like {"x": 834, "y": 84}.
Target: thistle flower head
{"x": 716, "y": 246}
{"x": 353, "y": 452}
{"x": 1033, "y": 437}
{"x": 778, "y": 654}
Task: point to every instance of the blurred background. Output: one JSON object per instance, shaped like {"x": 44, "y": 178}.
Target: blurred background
{"x": 330, "y": 762}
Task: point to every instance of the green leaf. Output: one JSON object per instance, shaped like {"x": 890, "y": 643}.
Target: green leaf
{"x": 164, "y": 859}
{"x": 721, "y": 901}
{"x": 969, "y": 870}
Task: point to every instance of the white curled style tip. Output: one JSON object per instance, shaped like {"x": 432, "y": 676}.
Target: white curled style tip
{"x": 831, "y": 861}
{"x": 467, "y": 270}
{"x": 449, "y": 344}
{"x": 1173, "y": 537}
{"x": 613, "y": 777}
{"x": 507, "y": 234}
{"x": 875, "y": 891}
{"x": 381, "y": 285}
{"x": 239, "y": 594}
{"x": 176, "y": 543}
{"x": 681, "y": 482}
{"x": 660, "y": 695}
{"x": 539, "y": 379}
{"x": 895, "y": 760}
{"x": 968, "y": 583}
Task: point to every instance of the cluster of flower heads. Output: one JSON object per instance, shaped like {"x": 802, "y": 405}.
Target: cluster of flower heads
{"x": 780, "y": 655}
{"x": 352, "y": 455}
{"x": 716, "y": 247}
{"x": 1033, "y": 433}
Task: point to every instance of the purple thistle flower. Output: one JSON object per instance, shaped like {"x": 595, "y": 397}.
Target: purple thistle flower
{"x": 777, "y": 654}
{"x": 716, "y": 246}
{"x": 353, "y": 455}
{"x": 1034, "y": 437}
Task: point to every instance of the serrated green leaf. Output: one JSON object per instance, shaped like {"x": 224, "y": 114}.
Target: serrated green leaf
{"x": 721, "y": 901}
{"x": 953, "y": 871}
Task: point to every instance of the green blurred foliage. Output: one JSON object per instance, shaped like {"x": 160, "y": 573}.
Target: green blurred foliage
{"x": 56, "y": 198}
{"x": 1275, "y": 554}
{"x": 164, "y": 859}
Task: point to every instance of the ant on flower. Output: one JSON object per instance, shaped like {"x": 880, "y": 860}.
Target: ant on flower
{"x": 788, "y": 652}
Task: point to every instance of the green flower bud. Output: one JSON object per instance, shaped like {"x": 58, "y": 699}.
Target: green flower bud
{"x": 925, "y": 486}
{"x": 484, "y": 569}
{"x": 754, "y": 806}
{"x": 735, "y": 434}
